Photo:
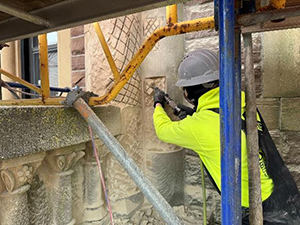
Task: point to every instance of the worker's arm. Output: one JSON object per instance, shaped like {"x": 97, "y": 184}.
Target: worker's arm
{"x": 173, "y": 132}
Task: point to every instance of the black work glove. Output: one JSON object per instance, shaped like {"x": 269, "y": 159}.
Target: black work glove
{"x": 158, "y": 97}
{"x": 184, "y": 111}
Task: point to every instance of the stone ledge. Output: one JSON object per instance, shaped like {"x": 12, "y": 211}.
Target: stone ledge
{"x": 27, "y": 130}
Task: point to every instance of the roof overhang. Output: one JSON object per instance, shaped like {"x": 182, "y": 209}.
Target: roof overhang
{"x": 63, "y": 14}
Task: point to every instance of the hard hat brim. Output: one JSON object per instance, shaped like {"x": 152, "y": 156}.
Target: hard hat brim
{"x": 197, "y": 80}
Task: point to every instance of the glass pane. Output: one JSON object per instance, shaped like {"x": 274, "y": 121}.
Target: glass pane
{"x": 53, "y": 70}
{"x": 35, "y": 42}
{"x": 52, "y": 38}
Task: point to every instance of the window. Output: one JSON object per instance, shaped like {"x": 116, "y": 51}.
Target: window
{"x": 30, "y": 60}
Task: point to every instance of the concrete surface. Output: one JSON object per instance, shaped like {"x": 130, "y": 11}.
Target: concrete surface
{"x": 26, "y": 130}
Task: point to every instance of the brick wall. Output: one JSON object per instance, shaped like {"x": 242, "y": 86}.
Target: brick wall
{"x": 78, "y": 56}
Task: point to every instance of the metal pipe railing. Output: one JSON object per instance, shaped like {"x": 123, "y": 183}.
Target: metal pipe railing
{"x": 57, "y": 89}
{"x": 159, "y": 203}
{"x": 230, "y": 115}
{"x": 19, "y": 13}
{"x": 21, "y": 81}
{"x": 255, "y": 209}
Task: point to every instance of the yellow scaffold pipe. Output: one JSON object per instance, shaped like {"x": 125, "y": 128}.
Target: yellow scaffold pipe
{"x": 21, "y": 81}
{"x": 171, "y": 14}
{"x": 273, "y": 4}
{"x": 44, "y": 68}
{"x": 107, "y": 52}
{"x": 179, "y": 28}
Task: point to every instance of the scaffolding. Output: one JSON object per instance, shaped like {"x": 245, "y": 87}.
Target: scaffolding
{"x": 231, "y": 23}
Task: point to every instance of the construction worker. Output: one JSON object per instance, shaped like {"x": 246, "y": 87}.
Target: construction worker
{"x": 199, "y": 79}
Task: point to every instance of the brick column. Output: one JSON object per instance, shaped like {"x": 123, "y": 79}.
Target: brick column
{"x": 78, "y": 56}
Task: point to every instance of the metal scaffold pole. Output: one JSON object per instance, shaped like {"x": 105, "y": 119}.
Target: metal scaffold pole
{"x": 157, "y": 200}
{"x": 230, "y": 114}
{"x": 255, "y": 209}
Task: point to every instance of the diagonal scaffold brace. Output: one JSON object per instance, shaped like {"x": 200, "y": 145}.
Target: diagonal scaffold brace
{"x": 79, "y": 100}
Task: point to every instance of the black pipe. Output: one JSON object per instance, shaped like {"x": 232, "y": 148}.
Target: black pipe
{"x": 57, "y": 89}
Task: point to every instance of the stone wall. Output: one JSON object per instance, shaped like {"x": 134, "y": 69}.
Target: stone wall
{"x": 48, "y": 173}
{"x": 53, "y": 177}
{"x": 281, "y": 93}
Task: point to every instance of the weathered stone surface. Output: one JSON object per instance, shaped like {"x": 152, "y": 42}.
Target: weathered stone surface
{"x": 126, "y": 207}
{"x": 56, "y": 173}
{"x": 123, "y": 38}
{"x": 295, "y": 171}
{"x": 164, "y": 61}
{"x": 290, "y": 147}
{"x": 199, "y": 11}
{"x": 290, "y": 114}
{"x": 198, "y": 8}
{"x": 193, "y": 172}
{"x": 39, "y": 209}
{"x": 211, "y": 43}
{"x": 281, "y": 63}
{"x": 78, "y": 182}
{"x": 14, "y": 207}
{"x": 196, "y": 12}
{"x": 16, "y": 175}
{"x": 276, "y": 136}
{"x": 125, "y": 197}
{"x": 196, "y": 2}
{"x": 26, "y": 130}
{"x": 269, "y": 109}
{"x": 166, "y": 171}
{"x": 194, "y": 197}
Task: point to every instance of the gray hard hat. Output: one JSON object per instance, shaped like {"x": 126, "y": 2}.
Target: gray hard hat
{"x": 198, "y": 67}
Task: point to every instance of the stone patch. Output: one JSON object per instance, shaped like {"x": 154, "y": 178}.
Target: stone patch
{"x": 290, "y": 114}
{"x": 269, "y": 109}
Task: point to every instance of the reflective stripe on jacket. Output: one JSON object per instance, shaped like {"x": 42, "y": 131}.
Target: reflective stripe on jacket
{"x": 201, "y": 133}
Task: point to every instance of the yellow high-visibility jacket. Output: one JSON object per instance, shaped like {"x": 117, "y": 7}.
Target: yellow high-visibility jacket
{"x": 201, "y": 133}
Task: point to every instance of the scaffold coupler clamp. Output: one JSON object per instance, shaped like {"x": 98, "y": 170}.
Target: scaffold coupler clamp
{"x": 75, "y": 94}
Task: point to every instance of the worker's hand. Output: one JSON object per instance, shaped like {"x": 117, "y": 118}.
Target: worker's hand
{"x": 184, "y": 111}
{"x": 158, "y": 97}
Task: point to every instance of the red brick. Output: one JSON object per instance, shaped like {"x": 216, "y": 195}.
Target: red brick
{"x": 77, "y": 45}
{"x": 78, "y": 63}
{"x": 76, "y": 31}
{"x": 78, "y": 78}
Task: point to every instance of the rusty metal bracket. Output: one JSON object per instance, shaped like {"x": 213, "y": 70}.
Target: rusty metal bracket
{"x": 74, "y": 95}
